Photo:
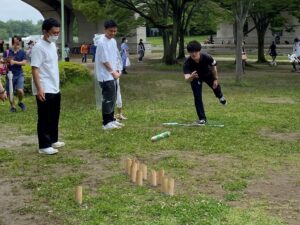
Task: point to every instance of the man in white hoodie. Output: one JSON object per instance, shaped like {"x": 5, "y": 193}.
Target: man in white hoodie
{"x": 108, "y": 70}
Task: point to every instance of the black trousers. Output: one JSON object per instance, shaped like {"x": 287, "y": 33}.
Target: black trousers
{"x": 196, "y": 85}
{"x": 109, "y": 94}
{"x": 48, "y": 119}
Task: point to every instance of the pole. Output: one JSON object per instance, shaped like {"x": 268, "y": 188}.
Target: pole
{"x": 62, "y": 4}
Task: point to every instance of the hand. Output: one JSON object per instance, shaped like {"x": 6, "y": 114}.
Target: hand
{"x": 41, "y": 95}
{"x": 116, "y": 74}
{"x": 215, "y": 84}
{"x": 194, "y": 75}
{"x": 12, "y": 62}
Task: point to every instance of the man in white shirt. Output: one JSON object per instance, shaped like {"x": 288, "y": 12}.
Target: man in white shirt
{"x": 296, "y": 52}
{"x": 108, "y": 69}
{"x": 45, "y": 86}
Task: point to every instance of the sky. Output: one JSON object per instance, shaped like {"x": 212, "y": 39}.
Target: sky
{"x": 18, "y": 10}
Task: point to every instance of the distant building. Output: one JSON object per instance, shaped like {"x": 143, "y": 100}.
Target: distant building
{"x": 225, "y": 33}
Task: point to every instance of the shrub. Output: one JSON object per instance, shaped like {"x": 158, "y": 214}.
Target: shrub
{"x": 67, "y": 72}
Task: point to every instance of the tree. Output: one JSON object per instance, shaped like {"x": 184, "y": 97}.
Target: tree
{"x": 268, "y": 12}
{"x": 167, "y": 15}
{"x": 240, "y": 10}
{"x": 95, "y": 10}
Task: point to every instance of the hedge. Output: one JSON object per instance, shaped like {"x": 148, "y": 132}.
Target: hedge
{"x": 67, "y": 72}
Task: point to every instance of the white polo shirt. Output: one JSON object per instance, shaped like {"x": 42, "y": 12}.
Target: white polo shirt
{"x": 44, "y": 56}
{"x": 107, "y": 51}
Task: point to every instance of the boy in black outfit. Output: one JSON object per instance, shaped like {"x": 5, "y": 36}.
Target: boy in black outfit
{"x": 198, "y": 68}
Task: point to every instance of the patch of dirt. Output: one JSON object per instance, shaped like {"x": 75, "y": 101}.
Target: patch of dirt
{"x": 281, "y": 191}
{"x": 11, "y": 139}
{"x": 96, "y": 170}
{"x": 14, "y": 199}
{"x": 280, "y": 136}
{"x": 277, "y": 100}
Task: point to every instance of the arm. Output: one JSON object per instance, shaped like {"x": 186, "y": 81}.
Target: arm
{"x": 21, "y": 63}
{"x": 36, "y": 79}
{"x": 108, "y": 67}
{"x": 190, "y": 77}
{"x": 215, "y": 77}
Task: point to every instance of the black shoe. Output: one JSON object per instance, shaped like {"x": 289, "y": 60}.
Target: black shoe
{"x": 223, "y": 100}
{"x": 124, "y": 71}
{"x": 22, "y": 106}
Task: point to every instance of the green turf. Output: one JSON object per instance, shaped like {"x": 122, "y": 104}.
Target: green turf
{"x": 266, "y": 102}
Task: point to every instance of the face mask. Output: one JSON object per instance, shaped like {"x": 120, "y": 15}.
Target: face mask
{"x": 53, "y": 38}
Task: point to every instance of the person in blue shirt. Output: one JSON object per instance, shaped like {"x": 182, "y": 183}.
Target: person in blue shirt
{"x": 124, "y": 54}
{"x": 16, "y": 58}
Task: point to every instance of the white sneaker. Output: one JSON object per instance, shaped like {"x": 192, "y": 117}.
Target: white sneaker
{"x": 117, "y": 123}
{"x": 48, "y": 151}
{"x": 58, "y": 144}
{"x": 110, "y": 126}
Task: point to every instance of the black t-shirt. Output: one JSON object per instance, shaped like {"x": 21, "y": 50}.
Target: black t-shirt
{"x": 203, "y": 68}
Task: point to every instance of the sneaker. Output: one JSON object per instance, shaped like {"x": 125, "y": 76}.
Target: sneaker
{"x": 22, "y": 106}
{"x": 223, "y": 100}
{"x": 121, "y": 117}
{"x": 201, "y": 122}
{"x": 48, "y": 151}
{"x": 58, "y": 144}
{"x": 13, "y": 109}
{"x": 117, "y": 123}
{"x": 110, "y": 126}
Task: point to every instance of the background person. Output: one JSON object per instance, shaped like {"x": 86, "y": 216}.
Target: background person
{"x": 141, "y": 50}
{"x": 273, "y": 53}
{"x": 124, "y": 54}
{"x": 16, "y": 58}
{"x": 296, "y": 52}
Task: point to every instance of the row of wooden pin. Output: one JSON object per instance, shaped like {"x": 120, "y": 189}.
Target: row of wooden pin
{"x": 138, "y": 173}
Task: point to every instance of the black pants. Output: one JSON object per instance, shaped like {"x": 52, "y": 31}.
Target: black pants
{"x": 48, "y": 118}
{"x": 109, "y": 94}
{"x": 196, "y": 85}
{"x": 141, "y": 55}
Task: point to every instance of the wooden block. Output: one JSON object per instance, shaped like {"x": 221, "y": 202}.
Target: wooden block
{"x": 164, "y": 186}
{"x": 78, "y": 195}
{"x": 153, "y": 180}
{"x": 171, "y": 187}
{"x": 145, "y": 171}
{"x": 128, "y": 166}
{"x": 133, "y": 172}
{"x": 139, "y": 178}
{"x": 160, "y": 174}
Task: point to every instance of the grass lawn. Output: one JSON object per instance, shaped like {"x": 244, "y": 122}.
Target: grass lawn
{"x": 245, "y": 173}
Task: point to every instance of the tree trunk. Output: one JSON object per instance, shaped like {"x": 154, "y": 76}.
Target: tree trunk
{"x": 181, "y": 54}
{"x": 261, "y": 44}
{"x": 238, "y": 50}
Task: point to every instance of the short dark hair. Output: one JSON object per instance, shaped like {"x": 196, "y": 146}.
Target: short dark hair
{"x": 193, "y": 46}
{"x": 123, "y": 39}
{"x": 296, "y": 40}
{"x": 49, "y": 23}
{"x": 110, "y": 24}
{"x": 16, "y": 37}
